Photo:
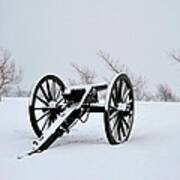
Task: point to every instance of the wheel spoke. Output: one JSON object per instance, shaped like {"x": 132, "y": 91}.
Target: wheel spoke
{"x": 59, "y": 93}
{"x": 122, "y": 128}
{"x": 59, "y": 101}
{"x": 114, "y": 99}
{"x": 118, "y": 126}
{"x": 54, "y": 89}
{"x": 112, "y": 103}
{"x": 119, "y": 134}
{"x": 125, "y": 122}
{"x": 123, "y": 89}
{"x": 115, "y": 124}
{"x": 44, "y": 115}
{"x": 44, "y": 108}
{"x": 49, "y": 90}
{"x": 112, "y": 116}
{"x": 116, "y": 134}
{"x": 116, "y": 90}
{"x": 113, "y": 108}
{"x": 118, "y": 129}
{"x": 114, "y": 128}
{"x": 41, "y": 100}
{"x": 119, "y": 99}
{"x": 44, "y": 93}
{"x": 45, "y": 124}
{"x": 126, "y": 95}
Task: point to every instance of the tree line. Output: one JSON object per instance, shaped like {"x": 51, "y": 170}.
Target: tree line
{"x": 141, "y": 90}
{"x": 11, "y": 76}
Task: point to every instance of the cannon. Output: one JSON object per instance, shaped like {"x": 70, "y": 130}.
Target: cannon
{"x": 54, "y": 109}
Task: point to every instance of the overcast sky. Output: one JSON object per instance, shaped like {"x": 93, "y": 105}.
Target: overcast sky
{"x": 47, "y": 35}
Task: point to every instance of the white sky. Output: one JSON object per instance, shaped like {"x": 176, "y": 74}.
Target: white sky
{"x": 46, "y": 36}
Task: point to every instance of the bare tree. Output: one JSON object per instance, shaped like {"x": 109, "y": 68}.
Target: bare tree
{"x": 111, "y": 64}
{"x": 139, "y": 83}
{"x": 85, "y": 75}
{"x": 165, "y": 93}
{"x": 9, "y": 73}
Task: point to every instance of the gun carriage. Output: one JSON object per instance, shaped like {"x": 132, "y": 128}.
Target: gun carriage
{"x": 54, "y": 109}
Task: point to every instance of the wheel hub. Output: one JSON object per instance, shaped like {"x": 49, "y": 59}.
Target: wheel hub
{"x": 52, "y": 104}
{"x": 122, "y": 107}
{"x": 53, "y": 111}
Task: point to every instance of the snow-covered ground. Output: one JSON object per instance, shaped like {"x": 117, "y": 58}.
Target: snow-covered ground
{"x": 153, "y": 152}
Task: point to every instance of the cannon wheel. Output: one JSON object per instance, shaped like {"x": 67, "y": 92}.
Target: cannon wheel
{"x": 45, "y": 97}
{"x": 119, "y": 110}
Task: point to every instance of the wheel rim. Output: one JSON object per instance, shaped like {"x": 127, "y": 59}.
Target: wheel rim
{"x": 119, "y": 110}
{"x": 45, "y": 103}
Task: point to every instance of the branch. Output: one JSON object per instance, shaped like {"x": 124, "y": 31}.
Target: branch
{"x": 108, "y": 61}
{"x": 86, "y": 76}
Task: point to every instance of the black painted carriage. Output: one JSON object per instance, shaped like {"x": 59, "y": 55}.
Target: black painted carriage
{"x": 54, "y": 109}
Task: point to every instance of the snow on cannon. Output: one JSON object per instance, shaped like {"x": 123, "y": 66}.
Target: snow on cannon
{"x": 54, "y": 109}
